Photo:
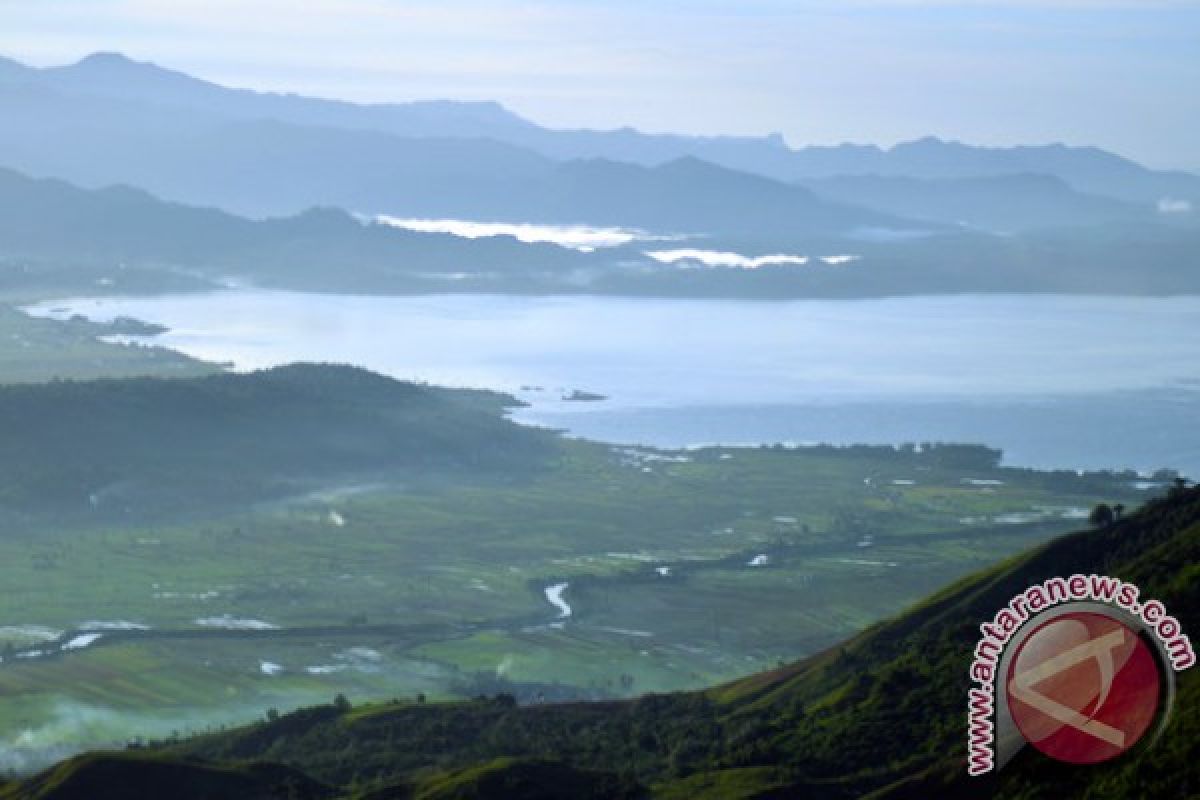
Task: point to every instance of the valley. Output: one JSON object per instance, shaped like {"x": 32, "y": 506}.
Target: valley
{"x": 344, "y": 567}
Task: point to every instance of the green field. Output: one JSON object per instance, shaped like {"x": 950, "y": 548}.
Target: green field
{"x": 42, "y": 350}
{"x": 441, "y": 592}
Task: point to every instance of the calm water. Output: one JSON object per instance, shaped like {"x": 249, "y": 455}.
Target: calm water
{"x": 1054, "y": 380}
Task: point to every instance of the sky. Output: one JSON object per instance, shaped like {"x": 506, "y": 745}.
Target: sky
{"x": 1119, "y": 74}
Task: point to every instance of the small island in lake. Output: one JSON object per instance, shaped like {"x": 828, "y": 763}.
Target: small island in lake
{"x": 580, "y": 396}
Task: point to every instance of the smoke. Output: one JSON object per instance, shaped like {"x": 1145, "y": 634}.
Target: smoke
{"x": 68, "y": 728}
{"x": 505, "y": 665}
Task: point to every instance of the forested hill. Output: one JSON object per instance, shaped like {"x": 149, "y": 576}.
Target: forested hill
{"x": 145, "y": 445}
{"x": 883, "y": 715}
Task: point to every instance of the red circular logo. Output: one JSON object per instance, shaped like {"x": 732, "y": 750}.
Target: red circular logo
{"x": 1083, "y": 688}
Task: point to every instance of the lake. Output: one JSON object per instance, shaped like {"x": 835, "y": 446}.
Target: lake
{"x": 1056, "y": 381}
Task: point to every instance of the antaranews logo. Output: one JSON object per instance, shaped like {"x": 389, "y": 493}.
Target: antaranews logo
{"x": 1078, "y": 668}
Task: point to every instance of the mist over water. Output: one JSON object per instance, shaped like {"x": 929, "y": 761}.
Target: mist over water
{"x": 577, "y": 237}
{"x": 1057, "y": 381}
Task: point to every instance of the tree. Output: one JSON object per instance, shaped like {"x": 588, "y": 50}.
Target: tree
{"x": 1102, "y": 515}
{"x": 1118, "y": 510}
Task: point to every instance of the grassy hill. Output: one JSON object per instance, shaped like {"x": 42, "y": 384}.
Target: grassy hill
{"x": 881, "y": 715}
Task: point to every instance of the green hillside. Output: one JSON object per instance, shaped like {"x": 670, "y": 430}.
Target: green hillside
{"x": 883, "y": 714}
{"x": 116, "y": 776}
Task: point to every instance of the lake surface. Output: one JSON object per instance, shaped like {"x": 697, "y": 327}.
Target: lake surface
{"x": 1056, "y": 381}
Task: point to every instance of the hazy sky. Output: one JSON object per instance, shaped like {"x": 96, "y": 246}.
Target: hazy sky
{"x": 1122, "y": 74}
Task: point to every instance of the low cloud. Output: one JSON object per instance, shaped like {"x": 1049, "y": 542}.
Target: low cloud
{"x": 1169, "y": 205}
{"x": 716, "y": 258}
{"x": 576, "y": 237}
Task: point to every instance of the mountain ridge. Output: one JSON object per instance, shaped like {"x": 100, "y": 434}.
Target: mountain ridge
{"x": 1086, "y": 168}
{"x": 260, "y": 164}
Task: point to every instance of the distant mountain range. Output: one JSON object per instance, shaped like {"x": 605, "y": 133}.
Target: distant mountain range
{"x": 107, "y": 119}
{"x": 57, "y": 238}
{"x": 998, "y": 203}
{"x": 925, "y": 217}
